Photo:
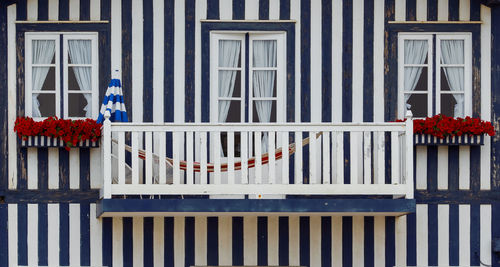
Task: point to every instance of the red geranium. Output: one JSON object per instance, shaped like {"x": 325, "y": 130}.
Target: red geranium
{"x": 70, "y": 131}
{"x": 442, "y": 126}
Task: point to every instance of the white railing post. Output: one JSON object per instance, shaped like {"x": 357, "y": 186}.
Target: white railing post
{"x": 106, "y": 152}
{"x": 409, "y": 154}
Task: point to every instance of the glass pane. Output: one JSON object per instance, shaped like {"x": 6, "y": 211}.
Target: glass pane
{"x": 79, "y": 77}
{"x": 264, "y": 83}
{"x": 452, "y": 105}
{"x": 229, "y": 53}
{"x": 417, "y": 104}
{"x": 452, "y": 78}
{"x": 228, "y": 83}
{"x": 416, "y": 51}
{"x": 46, "y": 104}
{"x": 232, "y": 113}
{"x": 44, "y": 78}
{"x": 264, "y": 111}
{"x": 452, "y": 52}
{"x": 43, "y": 51}
{"x": 264, "y": 53}
{"x": 77, "y": 105}
{"x": 416, "y": 79}
{"x": 80, "y": 51}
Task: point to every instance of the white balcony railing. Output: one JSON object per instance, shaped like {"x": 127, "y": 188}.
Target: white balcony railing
{"x": 258, "y": 159}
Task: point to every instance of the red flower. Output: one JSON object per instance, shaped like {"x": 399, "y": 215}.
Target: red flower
{"x": 442, "y": 126}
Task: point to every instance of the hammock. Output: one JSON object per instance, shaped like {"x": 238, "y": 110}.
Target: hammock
{"x": 223, "y": 166}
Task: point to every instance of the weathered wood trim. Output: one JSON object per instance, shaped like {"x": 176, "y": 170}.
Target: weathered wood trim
{"x": 62, "y": 21}
{"x": 247, "y": 21}
{"x": 456, "y": 197}
{"x": 4, "y": 154}
{"x": 50, "y": 196}
{"x": 435, "y": 22}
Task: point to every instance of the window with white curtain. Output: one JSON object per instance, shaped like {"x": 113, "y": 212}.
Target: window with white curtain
{"x": 61, "y": 75}
{"x": 434, "y": 74}
{"x": 259, "y": 57}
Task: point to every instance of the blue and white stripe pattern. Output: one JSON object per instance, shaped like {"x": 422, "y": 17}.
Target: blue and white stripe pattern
{"x": 113, "y": 102}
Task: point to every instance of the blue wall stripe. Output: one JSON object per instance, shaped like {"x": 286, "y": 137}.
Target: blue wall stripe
{"x": 85, "y": 234}
{"x": 305, "y": 68}
{"x": 148, "y": 61}
{"x": 262, "y": 241}
{"x": 21, "y": 14}
{"x": 189, "y": 242}
{"x": 105, "y": 10}
{"x": 189, "y": 60}
{"x": 411, "y": 239}
{"x": 64, "y": 9}
{"x": 475, "y": 167}
{"x": 495, "y": 231}
{"x": 169, "y": 241}
{"x": 63, "y": 168}
{"x": 432, "y": 168}
{"x": 128, "y": 242}
{"x": 495, "y": 109}
{"x": 390, "y": 77}
{"x": 453, "y": 10}
{"x": 247, "y": 84}
{"x": 4, "y": 101}
{"x": 432, "y": 10}
{"x": 263, "y": 9}
{"x": 148, "y": 241}
{"x": 127, "y": 55}
{"x": 347, "y": 81}
{"x": 107, "y": 241}
{"x": 368, "y": 61}
{"x": 432, "y": 234}
{"x": 454, "y": 235}
{"x": 213, "y": 241}
{"x": 390, "y": 241}
{"x": 42, "y": 234}
{"x": 475, "y": 233}
{"x": 411, "y": 10}
{"x": 84, "y": 168}
{"x": 84, "y": 9}
{"x": 4, "y": 233}
{"x": 326, "y": 60}
{"x": 43, "y": 11}
{"x": 22, "y": 234}
{"x": 475, "y": 10}
{"x": 326, "y": 241}
{"x": 347, "y": 241}
{"x": 283, "y": 239}
{"x": 64, "y": 234}
{"x": 304, "y": 240}
{"x": 237, "y": 241}
{"x": 369, "y": 252}
{"x": 284, "y": 9}
{"x": 168, "y": 87}
{"x": 453, "y": 168}
{"x": 43, "y": 168}
{"x": 239, "y": 9}
{"x": 212, "y": 9}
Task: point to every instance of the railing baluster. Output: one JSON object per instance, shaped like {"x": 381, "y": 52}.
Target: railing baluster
{"x": 380, "y": 162}
{"x": 230, "y": 157}
{"x": 367, "y": 157}
{"x": 217, "y": 156}
{"x": 244, "y": 157}
{"x": 298, "y": 158}
{"x": 106, "y": 156}
{"x": 175, "y": 153}
{"x": 272, "y": 157}
{"x": 339, "y": 157}
{"x": 189, "y": 157}
{"x": 356, "y": 152}
{"x": 258, "y": 157}
{"x": 121, "y": 157}
{"x": 203, "y": 158}
{"x": 409, "y": 155}
{"x": 312, "y": 158}
{"x": 326, "y": 157}
{"x": 162, "y": 152}
{"x": 395, "y": 159}
{"x": 285, "y": 157}
{"x": 135, "y": 158}
{"x": 149, "y": 158}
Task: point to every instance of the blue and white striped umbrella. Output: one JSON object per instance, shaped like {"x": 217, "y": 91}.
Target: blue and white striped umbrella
{"x": 113, "y": 102}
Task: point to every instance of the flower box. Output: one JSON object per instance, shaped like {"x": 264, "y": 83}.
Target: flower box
{"x": 45, "y": 141}
{"x": 463, "y": 140}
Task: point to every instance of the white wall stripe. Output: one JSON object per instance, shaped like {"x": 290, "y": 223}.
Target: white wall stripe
{"x": 336, "y": 241}
{"x": 442, "y": 10}
{"x": 226, "y": 9}
{"x": 53, "y": 9}
{"x": 12, "y": 97}
{"x": 250, "y": 240}
{"x": 179, "y": 60}
{"x": 485, "y": 236}
{"x": 442, "y": 170}
{"x": 274, "y": 9}
{"x": 137, "y": 61}
{"x": 295, "y": 15}
{"x": 422, "y": 238}
{"x": 486, "y": 94}
{"x": 179, "y": 243}
{"x": 53, "y": 168}
{"x": 32, "y": 168}
{"x": 74, "y": 234}
{"x": 401, "y": 240}
{"x": 32, "y": 234}
{"x": 53, "y": 234}
{"x": 293, "y": 241}
{"x": 159, "y": 241}
{"x": 95, "y": 10}
{"x": 32, "y": 9}
{"x": 12, "y": 235}
{"x": 116, "y": 36}
{"x": 316, "y": 62}
{"x": 443, "y": 235}
{"x": 117, "y": 242}
{"x": 337, "y": 61}
{"x": 272, "y": 241}
{"x": 464, "y": 167}
{"x": 358, "y": 245}
{"x": 225, "y": 240}
{"x": 95, "y": 237}
{"x": 379, "y": 241}
{"x": 464, "y": 10}
{"x": 251, "y": 10}
{"x": 95, "y": 168}
{"x": 315, "y": 241}
{"x": 74, "y": 168}
{"x": 400, "y": 10}
{"x": 200, "y": 240}
{"x": 159, "y": 59}
{"x": 421, "y": 10}
{"x": 464, "y": 235}
{"x": 74, "y": 9}
{"x": 138, "y": 241}
{"x": 378, "y": 60}
{"x": 200, "y": 13}
{"x": 421, "y": 168}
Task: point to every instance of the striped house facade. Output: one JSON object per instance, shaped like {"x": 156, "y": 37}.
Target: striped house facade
{"x": 342, "y": 68}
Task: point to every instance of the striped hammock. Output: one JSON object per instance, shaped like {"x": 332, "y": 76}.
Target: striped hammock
{"x": 224, "y": 167}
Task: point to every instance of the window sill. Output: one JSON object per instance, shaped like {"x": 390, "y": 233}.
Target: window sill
{"x": 464, "y": 140}
{"x": 44, "y": 141}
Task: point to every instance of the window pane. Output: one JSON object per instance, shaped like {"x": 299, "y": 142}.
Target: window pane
{"x": 229, "y": 53}
{"x": 264, "y": 111}
{"x": 77, "y": 104}
{"x": 452, "y": 79}
{"x": 229, "y": 111}
{"x": 452, "y": 52}
{"x": 416, "y": 51}
{"x": 229, "y": 83}
{"x": 452, "y": 105}
{"x": 416, "y": 79}
{"x": 264, "y": 83}
{"x": 43, "y": 51}
{"x": 44, "y": 78}
{"x": 80, "y": 78}
{"x": 80, "y": 51}
{"x": 264, "y": 53}
{"x": 46, "y": 104}
{"x": 417, "y": 104}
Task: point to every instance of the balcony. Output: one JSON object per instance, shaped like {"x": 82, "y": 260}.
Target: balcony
{"x": 261, "y": 168}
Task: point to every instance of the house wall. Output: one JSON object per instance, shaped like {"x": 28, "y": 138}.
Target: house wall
{"x": 343, "y": 56}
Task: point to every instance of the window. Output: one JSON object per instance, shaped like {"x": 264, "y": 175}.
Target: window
{"x": 434, "y": 74}
{"x": 259, "y": 56}
{"x": 72, "y": 56}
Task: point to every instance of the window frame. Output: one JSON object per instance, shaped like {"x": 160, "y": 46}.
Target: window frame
{"x": 61, "y": 90}
{"x": 434, "y": 69}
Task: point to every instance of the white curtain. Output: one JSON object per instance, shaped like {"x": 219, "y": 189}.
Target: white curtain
{"x": 43, "y": 53}
{"x": 452, "y": 52}
{"x": 264, "y": 55}
{"x": 415, "y": 53}
{"x": 80, "y": 52}
{"x": 229, "y": 51}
